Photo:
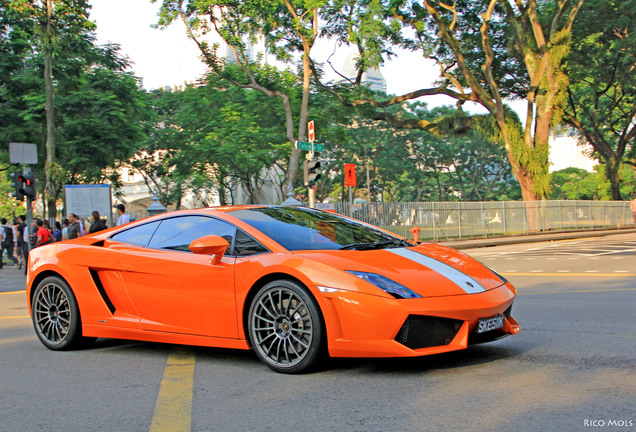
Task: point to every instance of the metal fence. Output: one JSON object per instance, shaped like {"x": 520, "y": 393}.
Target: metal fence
{"x": 443, "y": 220}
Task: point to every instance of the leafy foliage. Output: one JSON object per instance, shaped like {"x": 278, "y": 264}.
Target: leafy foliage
{"x": 211, "y": 137}
{"x": 100, "y": 113}
{"x": 602, "y": 95}
{"x": 578, "y": 184}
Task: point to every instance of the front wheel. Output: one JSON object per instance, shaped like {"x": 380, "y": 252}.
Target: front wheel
{"x": 56, "y": 317}
{"x": 286, "y": 327}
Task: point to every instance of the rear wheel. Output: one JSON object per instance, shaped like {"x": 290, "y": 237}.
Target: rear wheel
{"x": 286, "y": 327}
{"x": 56, "y": 317}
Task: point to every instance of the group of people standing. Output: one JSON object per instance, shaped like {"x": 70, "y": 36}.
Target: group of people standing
{"x": 15, "y": 238}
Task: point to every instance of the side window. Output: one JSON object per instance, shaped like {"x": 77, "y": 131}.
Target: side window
{"x": 177, "y": 233}
{"x": 245, "y": 245}
{"x": 138, "y": 236}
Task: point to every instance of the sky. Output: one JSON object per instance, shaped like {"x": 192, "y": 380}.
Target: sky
{"x": 160, "y": 57}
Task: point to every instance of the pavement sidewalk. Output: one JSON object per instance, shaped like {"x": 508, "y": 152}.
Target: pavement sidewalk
{"x": 472, "y": 243}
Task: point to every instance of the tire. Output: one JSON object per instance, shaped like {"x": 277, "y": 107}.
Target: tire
{"x": 286, "y": 327}
{"x": 56, "y": 317}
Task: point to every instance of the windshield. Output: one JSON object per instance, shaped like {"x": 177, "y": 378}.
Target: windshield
{"x": 297, "y": 228}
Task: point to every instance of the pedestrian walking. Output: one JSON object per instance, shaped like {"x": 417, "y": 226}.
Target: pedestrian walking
{"x": 123, "y": 216}
{"x": 97, "y": 224}
{"x": 22, "y": 242}
{"x": 7, "y": 241}
{"x": 633, "y": 207}
{"x": 74, "y": 229}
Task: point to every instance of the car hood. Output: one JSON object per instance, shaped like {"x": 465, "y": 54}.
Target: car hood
{"x": 430, "y": 270}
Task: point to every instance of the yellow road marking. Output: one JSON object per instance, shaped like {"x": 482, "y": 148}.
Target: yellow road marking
{"x": 13, "y": 292}
{"x": 576, "y": 291}
{"x": 173, "y": 411}
{"x": 16, "y": 317}
{"x": 573, "y": 274}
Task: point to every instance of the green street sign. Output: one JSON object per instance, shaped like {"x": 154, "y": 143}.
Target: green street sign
{"x": 301, "y": 145}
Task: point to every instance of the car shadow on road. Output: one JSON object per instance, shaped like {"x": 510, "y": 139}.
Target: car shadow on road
{"x": 474, "y": 355}
{"x": 163, "y": 349}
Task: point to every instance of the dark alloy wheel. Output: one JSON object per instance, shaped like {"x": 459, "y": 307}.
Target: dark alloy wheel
{"x": 286, "y": 327}
{"x": 55, "y": 315}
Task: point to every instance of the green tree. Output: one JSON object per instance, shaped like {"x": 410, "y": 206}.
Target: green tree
{"x": 211, "y": 137}
{"x": 289, "y": 29}
{"x": 100, "y": 113}
{"x": 486, "y": 51}
{"x": 578, "y": 184}
{"x": 602, "y": 94}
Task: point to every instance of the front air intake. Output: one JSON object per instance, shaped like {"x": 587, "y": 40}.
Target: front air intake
{"x": 427, "y": 331}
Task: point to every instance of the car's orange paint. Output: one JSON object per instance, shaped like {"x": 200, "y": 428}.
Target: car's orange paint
{"x": 184, "y": 298}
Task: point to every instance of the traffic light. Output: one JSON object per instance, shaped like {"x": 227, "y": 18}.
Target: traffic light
{"x": 16, "y": 184}
{"x": 28, "y": 185}
{"x": 310, "y": 171}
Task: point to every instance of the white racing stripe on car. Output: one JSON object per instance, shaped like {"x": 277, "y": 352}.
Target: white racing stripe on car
{"x": 465, "y": 282}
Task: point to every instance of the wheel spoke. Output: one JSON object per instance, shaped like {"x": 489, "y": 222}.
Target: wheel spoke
{"x": 273, "y": 305}
{"x": 305, "y": 345}
{"x": 291, "y": 345}
{"x": 44, "y": 297}
{"x": 289, "y": 303}
{"x": 263, "y": 318}
{"x": 266, "y": 309}
{"x": 262, "y": 341}
{"x": 299, "y": 320}
{"x": 278, "y": 357}
{"x": 41, "y": 303}
{"x": 285, "y": 342}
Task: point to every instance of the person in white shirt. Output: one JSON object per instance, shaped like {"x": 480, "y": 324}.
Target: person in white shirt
{"x": 123, "y": 217}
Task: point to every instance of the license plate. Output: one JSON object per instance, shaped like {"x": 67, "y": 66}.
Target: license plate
{"x": 489, "y": 324}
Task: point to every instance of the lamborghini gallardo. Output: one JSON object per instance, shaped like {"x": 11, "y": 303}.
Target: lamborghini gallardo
{"x": 293, "y": 284}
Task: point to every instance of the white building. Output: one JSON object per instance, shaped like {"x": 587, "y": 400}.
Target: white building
{"x": 349, "y": 72}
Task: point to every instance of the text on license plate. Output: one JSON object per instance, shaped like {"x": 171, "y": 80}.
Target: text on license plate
{"x": 488, "y": 324}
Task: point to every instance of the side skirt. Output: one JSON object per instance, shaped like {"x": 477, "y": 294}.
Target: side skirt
{"x": 92, "y": 330}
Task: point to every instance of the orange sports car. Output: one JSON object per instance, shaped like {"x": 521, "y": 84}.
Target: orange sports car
{"x": 293, "y": 284}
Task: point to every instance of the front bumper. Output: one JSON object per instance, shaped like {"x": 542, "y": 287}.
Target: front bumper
{"x": 361, "y": 325}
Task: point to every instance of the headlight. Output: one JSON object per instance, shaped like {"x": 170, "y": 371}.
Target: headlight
{"x": 387, "y": 285}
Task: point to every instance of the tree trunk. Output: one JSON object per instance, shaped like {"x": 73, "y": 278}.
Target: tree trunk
{"x": 50, "y": 114}
{"x": 612, "y": 170}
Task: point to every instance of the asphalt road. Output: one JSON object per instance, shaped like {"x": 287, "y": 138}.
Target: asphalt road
{"x": 571, "y": 368}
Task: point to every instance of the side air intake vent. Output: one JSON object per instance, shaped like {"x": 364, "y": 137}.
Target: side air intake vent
{"x": 102, "y": 291}
{"x": 426, "y": 331}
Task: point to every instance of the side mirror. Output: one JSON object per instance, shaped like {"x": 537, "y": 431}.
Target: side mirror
{"x": 210, "y": 245}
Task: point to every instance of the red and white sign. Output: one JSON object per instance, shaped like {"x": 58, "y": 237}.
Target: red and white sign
{"x": 350, "y": 174}
{"x": 310, "y": 131}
